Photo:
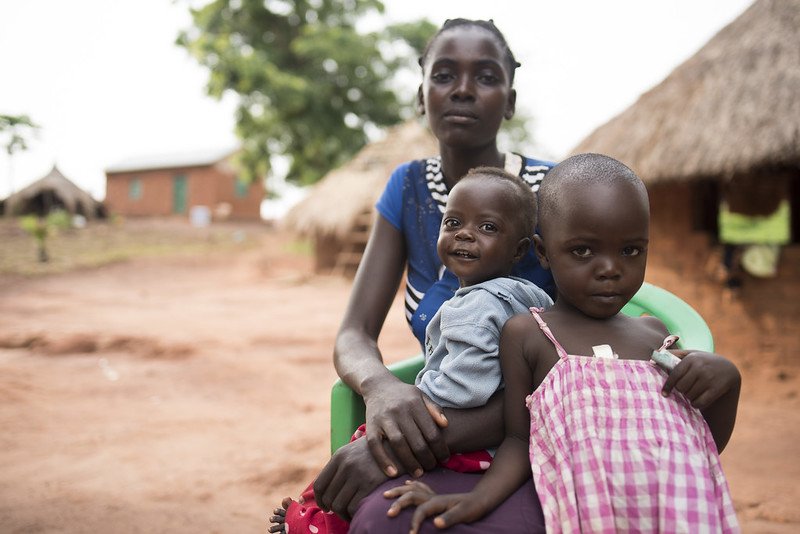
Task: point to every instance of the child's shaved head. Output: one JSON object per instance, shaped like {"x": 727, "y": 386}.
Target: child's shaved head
{"x": 521, "y": 201}
{"x": 584, "y": 170}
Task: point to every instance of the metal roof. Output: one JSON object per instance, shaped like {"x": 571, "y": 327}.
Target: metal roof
{"x": 196, "y": 158}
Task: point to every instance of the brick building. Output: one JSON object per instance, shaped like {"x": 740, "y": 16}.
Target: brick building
{"x": 174, "y": 184}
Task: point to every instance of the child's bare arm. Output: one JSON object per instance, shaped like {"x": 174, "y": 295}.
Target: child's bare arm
{"x": 511, "y": 465}
{"x": 711, "y": 383}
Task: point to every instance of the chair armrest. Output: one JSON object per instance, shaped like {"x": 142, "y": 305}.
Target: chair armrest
{"x": 347, "y": 407}
{"x": 678, "y": 316}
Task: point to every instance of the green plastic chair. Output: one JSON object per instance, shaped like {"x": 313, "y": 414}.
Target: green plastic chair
{"x": 347, "y": 407}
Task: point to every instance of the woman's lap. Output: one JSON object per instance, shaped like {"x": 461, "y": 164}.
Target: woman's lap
{"x": 519, "y": 513}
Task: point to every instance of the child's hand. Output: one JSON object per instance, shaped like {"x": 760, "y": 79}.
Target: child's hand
{"x": 703, "y": 377}
{"x": 413, "y": 493}
{"x": 457, "y": 507}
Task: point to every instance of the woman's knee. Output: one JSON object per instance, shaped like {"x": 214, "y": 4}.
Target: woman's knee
{"x": 371, "y": 514}
{"x": 521, "y": 512}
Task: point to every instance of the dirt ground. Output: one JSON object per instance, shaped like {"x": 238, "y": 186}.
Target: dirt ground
{"x": 190, "y": 394}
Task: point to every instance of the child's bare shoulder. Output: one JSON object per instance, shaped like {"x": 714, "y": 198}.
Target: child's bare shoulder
{"x": 652, "y": 325}
{"x": 520, "y": 324}
{"x": 521, "y": 330}
{"x": 647, "y": 331}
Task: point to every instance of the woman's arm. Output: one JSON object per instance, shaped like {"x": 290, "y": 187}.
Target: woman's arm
{"x": 353, "y": 472}
{"x": 475, "y": 429}
{"x": 356, "y": 356}
{"x": 396, "y": 412}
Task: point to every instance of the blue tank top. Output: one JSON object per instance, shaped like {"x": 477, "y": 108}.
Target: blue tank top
{"x": 413, "y": 202}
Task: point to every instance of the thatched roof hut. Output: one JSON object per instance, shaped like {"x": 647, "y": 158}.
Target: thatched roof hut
{"x": 336, "y": 206}
{"x": 53, "y": 191}
{"x": 731, "y": 108}
{"x": 338, "y": 199}
{"x": 722, "y": 131}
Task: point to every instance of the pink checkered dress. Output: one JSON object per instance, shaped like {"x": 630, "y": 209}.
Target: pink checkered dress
{"x": 609, "y": 453}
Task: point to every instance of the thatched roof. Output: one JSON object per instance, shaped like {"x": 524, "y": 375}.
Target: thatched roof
{"x": 732, "y": 107}
{"x": 50, "y": 192}
{"x": 336, "y": 201}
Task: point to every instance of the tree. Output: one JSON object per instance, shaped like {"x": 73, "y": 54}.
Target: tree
{"x": 310, "y": 84}
{"x": 41, "y": 227}
{"x": 15, "y": 130}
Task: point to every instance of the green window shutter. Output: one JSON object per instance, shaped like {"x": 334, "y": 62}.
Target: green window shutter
{"x": 135, "y": 189}
{"x": 179, "y": 193}
{"x": 241, "y": 188}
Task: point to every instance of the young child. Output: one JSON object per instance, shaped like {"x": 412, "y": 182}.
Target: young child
{"x": 615, "y": 443}
{"x": 486, "y": 229}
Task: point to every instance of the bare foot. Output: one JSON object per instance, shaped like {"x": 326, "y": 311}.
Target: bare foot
{"x": 279, "y": 519}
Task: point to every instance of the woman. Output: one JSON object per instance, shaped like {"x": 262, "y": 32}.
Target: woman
{"x": 466, "y": 93}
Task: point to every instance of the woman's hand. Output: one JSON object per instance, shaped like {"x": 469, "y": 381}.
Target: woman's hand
{"x": 401, "y": 415}
{"x": 349, "y": 476}
{"x": 452, "y": 508}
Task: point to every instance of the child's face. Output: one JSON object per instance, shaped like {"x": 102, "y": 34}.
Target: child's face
{"x": 596, "y": 247}
{"x": 479, "y": 239}
{"x": 466, "y": 90}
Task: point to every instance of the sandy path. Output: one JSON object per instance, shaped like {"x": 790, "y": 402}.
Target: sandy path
{"x": 191, "y": 395}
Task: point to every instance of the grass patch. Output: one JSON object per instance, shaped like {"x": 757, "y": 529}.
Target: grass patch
{"x": 300, "y": 247}
{"x": 102, "y": 243}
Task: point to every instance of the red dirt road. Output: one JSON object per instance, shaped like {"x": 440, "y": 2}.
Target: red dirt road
{"x": 190, "y": 395}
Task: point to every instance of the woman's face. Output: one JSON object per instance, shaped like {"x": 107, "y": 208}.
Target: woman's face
{"x": 466, "y": 90}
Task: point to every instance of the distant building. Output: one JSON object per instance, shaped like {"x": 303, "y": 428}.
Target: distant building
{"x": 175, "y": 184}
{"x": 52, "y": 192}
{"x": 339, "y": 210}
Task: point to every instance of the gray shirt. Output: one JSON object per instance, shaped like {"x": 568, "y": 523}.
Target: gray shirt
{"x": 462, "y": 341}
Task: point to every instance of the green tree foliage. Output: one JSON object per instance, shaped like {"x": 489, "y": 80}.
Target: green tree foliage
{"x": 15, "y": 131}
{"x": 40, "y": 228}
{"x": 309, "y": 83}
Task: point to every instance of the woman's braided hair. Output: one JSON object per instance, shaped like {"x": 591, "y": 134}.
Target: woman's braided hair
{"x": 486, "y": 25}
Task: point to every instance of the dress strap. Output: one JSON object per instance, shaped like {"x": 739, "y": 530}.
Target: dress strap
{"x": 668, "y": 342}
{"x": 546, "y": 331}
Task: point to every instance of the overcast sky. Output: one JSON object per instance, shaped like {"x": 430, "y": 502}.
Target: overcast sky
{"x": 106, "y": 82}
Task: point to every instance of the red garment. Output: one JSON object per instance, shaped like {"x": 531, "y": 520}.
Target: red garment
{"x": 304, "y": 515}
